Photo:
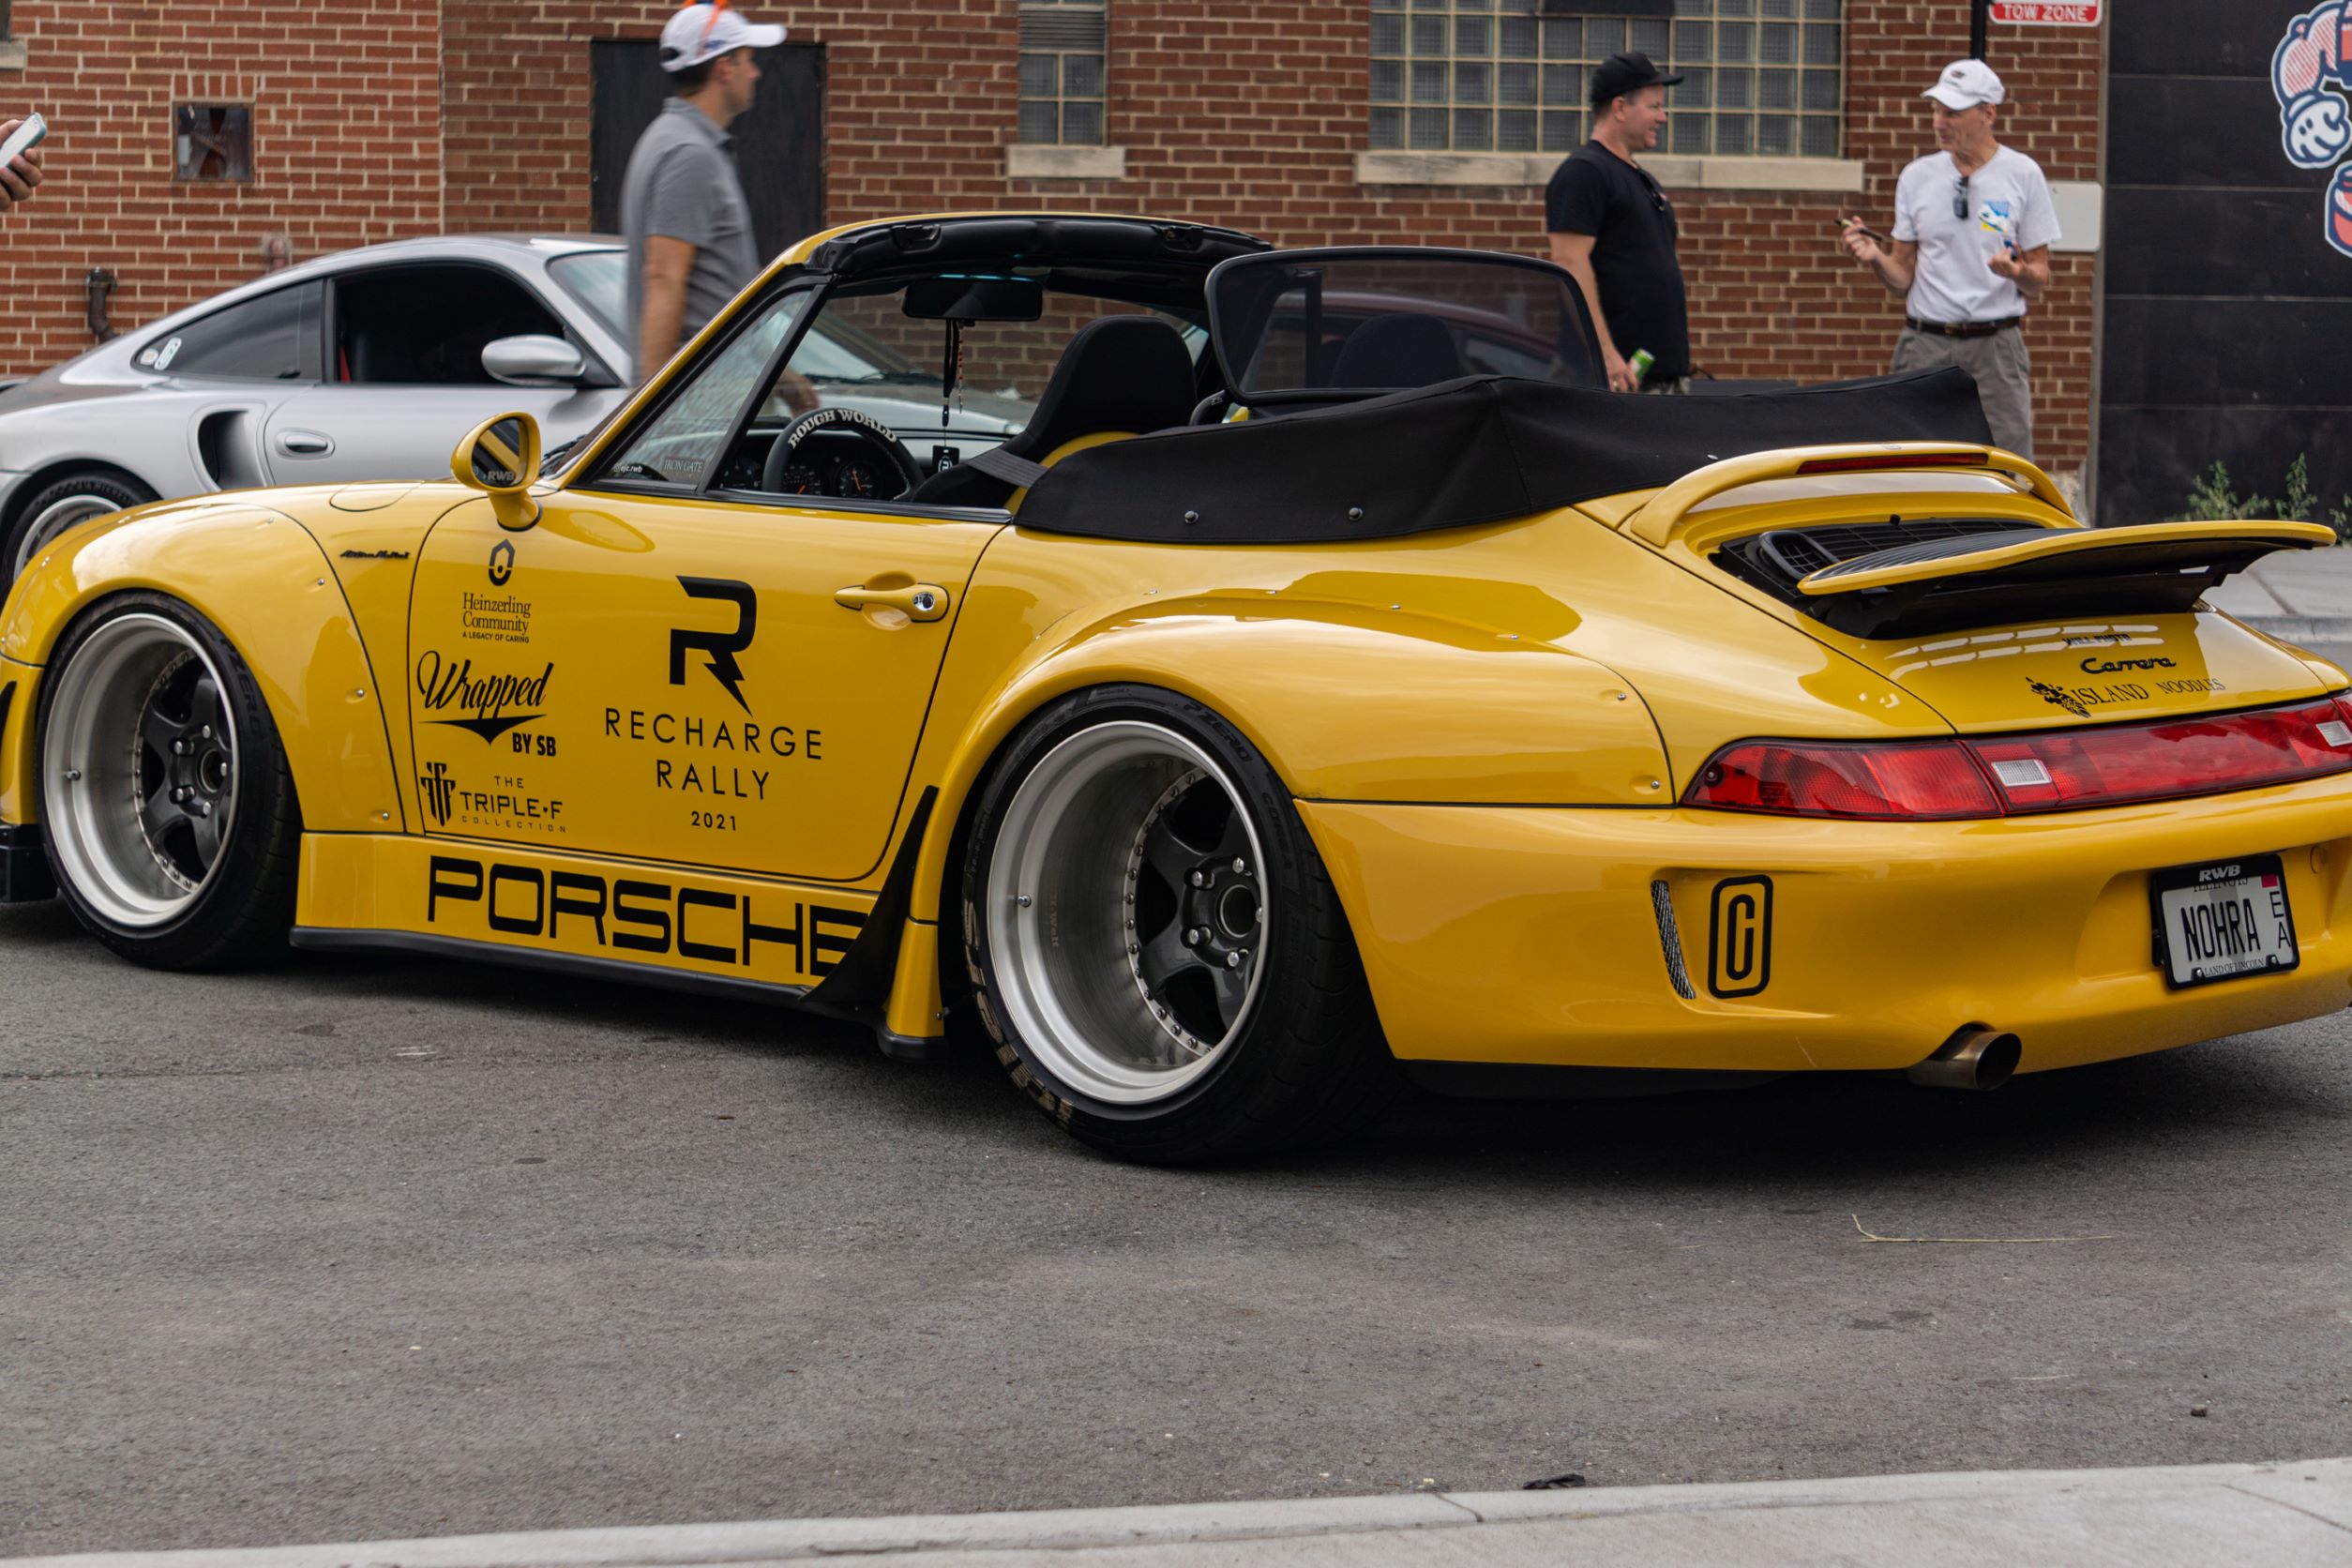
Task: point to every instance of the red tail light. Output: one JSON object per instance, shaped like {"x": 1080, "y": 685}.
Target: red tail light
{"x": 2060, "y": 770}
{"x": 1914, "y": 779}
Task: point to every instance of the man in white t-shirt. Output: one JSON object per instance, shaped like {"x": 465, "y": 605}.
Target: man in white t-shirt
{"x": 1973, "y": 227}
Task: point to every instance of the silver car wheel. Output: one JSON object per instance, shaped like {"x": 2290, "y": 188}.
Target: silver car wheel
{"x": 139, "y": 770}
{"x": 1126, "y": 910}
{"x": 55, "y": 518}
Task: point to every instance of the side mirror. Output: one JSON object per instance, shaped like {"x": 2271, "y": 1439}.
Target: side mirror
{"x": 534, "y": 359}
{"x": 500, "y": 457}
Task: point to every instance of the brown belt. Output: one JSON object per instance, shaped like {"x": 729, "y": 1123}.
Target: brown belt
{"x": 1961, "y": 329}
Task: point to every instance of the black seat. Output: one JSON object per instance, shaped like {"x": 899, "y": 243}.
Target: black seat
{"x": 1401, "y": 350}
{"x": 1123, "y": 373}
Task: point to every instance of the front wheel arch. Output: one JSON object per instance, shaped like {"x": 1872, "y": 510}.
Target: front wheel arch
{"x": 172, "y": 820}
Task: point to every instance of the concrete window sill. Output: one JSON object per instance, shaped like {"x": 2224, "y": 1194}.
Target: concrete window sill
{"x": 14, "y": 56}
{"x": 1680, "y": 173}
{"x": 1025, "y": 161}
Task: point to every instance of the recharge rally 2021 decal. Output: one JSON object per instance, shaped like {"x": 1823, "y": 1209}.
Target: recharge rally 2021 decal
{"x": 2315, "y": 57}
{"x": 718, "y": 757}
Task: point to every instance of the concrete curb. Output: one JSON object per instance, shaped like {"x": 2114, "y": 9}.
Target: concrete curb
{"x": 2302, "y": 630}
{"x": 2289, "y": 1511}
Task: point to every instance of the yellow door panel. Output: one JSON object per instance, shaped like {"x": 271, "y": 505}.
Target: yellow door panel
{"x": 536, "y": 901}
{"x": 691, "y": 682}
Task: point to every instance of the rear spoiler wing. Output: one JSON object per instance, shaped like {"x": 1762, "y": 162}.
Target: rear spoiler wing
{"x": 1992, "y": 578}
{"x": 2062, "y": 572}
{"x": 1667, "y": 511}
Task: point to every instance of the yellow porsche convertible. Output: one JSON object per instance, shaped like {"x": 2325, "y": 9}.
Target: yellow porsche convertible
{"x": 1325, "y": 685}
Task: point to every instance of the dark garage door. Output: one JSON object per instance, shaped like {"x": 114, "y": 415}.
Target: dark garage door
{"x": 2228, "y": 308}
{"x": 779, "y": 145}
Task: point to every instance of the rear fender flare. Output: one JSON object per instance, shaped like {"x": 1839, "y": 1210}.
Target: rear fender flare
{"x": 1464, "y": 715}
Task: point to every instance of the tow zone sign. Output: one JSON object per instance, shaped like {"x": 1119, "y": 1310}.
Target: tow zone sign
{"x": 2048, "y": 14}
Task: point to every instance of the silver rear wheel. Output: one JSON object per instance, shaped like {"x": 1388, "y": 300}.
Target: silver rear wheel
{"x": 139, "y": 770}
{"x": 1126, "y": 906}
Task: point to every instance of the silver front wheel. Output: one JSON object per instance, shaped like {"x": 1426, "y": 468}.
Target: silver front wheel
{"x": 1127, "y": 907}
{"x": 139, "y": 770}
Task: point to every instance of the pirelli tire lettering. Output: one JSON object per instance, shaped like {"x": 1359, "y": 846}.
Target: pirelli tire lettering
{"x": 630, "y": 917}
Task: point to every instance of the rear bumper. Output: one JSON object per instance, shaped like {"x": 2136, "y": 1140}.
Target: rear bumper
{"x": 1532, "y": 936}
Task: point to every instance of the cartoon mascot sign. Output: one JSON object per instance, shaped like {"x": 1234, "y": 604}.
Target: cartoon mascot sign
{"x": 2316, "y": 56}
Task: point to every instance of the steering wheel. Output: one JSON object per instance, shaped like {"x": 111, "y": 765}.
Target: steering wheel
{"x": 847, "y": 420}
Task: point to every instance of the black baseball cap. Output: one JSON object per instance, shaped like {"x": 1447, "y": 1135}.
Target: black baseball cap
{"x": 1620, "y": 75}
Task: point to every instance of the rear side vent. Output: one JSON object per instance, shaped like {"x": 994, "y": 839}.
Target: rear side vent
{"x": 1777, "y": 560}
{"x": 224, "y": 444}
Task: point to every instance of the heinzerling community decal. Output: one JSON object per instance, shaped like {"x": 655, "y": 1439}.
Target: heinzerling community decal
{"x": 495, "y": 618}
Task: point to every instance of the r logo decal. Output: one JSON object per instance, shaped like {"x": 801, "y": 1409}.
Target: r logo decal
{"x": 1740, "y": 937}
{"x": 718, "y": 648}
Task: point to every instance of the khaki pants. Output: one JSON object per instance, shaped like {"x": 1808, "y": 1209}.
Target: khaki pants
{"x": 2003, "y": 372}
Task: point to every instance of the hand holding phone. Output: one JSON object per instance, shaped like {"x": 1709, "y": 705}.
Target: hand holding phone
{"x": 1883, "y": 242}
{"x": 18, "y": 171}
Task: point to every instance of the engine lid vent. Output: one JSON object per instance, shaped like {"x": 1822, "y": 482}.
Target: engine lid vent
{"x": 1777, "y": 560}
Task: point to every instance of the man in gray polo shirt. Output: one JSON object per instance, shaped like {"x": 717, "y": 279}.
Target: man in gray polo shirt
{"x": 682, "y": 206}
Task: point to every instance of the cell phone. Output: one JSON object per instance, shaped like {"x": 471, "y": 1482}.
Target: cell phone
{"x": 23, "y": 139}
{"x": 1882, "y": 241}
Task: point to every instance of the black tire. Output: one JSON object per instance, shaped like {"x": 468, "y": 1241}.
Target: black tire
{"x": 94, "y": 485}
{"x": 132, "y": 860}
{"x": 1301, "y": 1057}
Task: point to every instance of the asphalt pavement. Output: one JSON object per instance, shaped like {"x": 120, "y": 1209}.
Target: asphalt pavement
{"x": 365, "y": 1250}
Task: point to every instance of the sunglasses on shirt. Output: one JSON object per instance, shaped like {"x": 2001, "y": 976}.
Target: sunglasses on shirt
{"x": 1960, "y": 198}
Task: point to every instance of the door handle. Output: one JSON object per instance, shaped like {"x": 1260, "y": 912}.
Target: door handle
{"x": 304, "y": 443}
{"x": 916, "y": 602}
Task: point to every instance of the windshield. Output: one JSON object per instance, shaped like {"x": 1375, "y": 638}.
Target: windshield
{"x": 836, "y": 351}
{"x": 1373, "y": 321}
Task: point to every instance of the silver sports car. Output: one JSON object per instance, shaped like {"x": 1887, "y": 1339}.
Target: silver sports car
{"x": 369, "y": 365}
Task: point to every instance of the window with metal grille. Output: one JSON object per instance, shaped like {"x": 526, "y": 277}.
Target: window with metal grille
{"x": 1061, "y": 71}
{"x": 1762, "y": 77}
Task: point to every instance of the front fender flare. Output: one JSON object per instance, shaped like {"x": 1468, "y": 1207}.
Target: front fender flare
{"x": 1345, "y": 702}
{"x": 264, "y": 583}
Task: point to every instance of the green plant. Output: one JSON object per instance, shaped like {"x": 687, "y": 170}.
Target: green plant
{"x": 2211, "y": 500}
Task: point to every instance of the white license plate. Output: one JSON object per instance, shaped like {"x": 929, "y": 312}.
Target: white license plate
{"x": 2225, "y": 920}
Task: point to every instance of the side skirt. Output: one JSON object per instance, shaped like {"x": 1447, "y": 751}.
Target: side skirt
{"x": 318, "y": 940}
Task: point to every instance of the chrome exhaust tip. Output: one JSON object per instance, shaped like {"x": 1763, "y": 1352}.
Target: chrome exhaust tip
{"x": 1975, "y": 1058}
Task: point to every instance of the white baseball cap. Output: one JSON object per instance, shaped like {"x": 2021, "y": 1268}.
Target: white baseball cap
{"x": 704, "y": 30}
{"x": 1965, "y": 84}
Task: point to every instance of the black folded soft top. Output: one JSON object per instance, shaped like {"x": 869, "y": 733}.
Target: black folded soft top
{"x": 1479, "y": 450}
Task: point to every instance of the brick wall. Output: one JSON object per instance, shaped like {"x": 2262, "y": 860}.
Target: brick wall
{"x": 1246, "y": 116}
{"x": 346, "y": 131}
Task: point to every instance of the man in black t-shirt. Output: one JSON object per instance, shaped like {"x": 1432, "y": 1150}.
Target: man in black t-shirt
{"x": 1613, "y": 229}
